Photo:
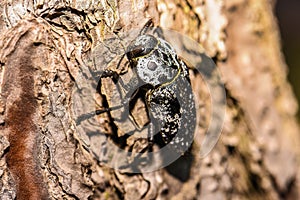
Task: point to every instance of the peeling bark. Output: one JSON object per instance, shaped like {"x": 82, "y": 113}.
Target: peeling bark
{"x": 46, "y": 47}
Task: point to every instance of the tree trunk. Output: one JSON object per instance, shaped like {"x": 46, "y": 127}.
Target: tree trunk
{"x": 47, "y": 49}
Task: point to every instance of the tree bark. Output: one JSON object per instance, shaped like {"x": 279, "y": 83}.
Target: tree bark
{"x": 44, "y": 47}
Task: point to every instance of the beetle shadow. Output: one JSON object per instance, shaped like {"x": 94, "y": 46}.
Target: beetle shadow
{"x": 181, "y": 168}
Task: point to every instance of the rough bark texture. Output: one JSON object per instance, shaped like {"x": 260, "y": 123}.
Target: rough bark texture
{"x": 43, "y": 48}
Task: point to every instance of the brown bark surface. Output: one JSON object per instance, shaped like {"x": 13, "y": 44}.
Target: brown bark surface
{"x": 45, "y": 47}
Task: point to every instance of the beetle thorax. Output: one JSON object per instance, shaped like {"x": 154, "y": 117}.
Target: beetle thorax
{"x": 158, "y": 67}
{"x": 154, "y": 71}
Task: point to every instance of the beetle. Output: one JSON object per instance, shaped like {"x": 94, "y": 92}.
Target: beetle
{"x": 169, "y": 97}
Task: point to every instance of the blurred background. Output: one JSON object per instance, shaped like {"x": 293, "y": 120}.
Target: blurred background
{"x": 288, "y": 15}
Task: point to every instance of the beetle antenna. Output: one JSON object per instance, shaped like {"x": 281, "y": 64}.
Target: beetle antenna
{"x": 149, "y": 25}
